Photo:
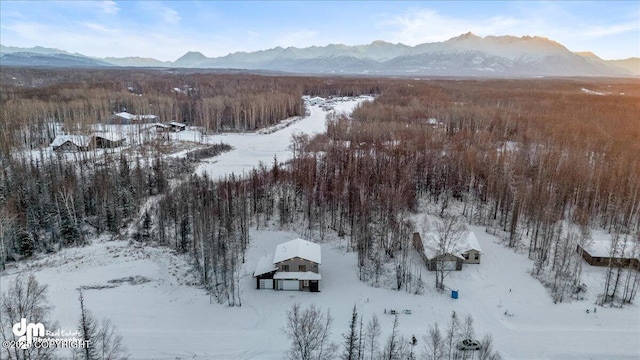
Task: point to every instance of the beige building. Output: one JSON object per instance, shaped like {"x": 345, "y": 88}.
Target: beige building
{"x": 293, "y": 266}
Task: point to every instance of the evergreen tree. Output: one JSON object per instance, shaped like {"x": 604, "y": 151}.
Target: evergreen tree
{"x": 351, "y": 338}
{"x": 88, "y": 328}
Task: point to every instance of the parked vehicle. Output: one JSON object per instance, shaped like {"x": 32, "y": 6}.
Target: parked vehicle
{"x": 469, "y": 344}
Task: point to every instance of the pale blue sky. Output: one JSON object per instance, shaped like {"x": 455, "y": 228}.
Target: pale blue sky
{"x": 165, "y": 30}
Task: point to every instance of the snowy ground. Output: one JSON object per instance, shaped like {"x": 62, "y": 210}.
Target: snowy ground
{"x": 254, "y": 148}
{"x": 162, "y": 315}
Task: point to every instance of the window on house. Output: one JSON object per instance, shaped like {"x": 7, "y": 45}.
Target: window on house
{"x": 285, "y": 268}
{"x": 302, "y": 268}
{"x": 466, "y": 256}
{"x": 477, "y": 256}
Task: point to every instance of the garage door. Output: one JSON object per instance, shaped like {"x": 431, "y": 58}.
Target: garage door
{"x": 266, "y": 284}
{"x": 289, "y": 285}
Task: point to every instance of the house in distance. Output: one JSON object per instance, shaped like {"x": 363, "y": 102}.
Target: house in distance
{"x": 72, "y": 143}
{"x": 293, "y": 266}
{"x": 465, "y": 251}
{"x": 602, "y": 253}
{"x": 87, "y": 142}
{"x": 125, "y": 118}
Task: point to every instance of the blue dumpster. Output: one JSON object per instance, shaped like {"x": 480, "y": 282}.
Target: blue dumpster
{"x": 454, "y": 294}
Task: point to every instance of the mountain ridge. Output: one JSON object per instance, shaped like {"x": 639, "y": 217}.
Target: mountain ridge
{"x": 464, "y": 55}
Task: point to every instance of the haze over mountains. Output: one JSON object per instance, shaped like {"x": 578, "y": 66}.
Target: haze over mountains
{"x": 464, "y": 55}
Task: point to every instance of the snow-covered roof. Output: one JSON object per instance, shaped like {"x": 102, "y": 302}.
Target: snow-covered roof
{"x": 175, "y": 123}
{"x": 160, "y": 125}
{"x": 602, "y": 248}
{"x": 468, "y": 242}
{"x": 316, "y": 100}
{"x": 265, "y": 265}
{"x": 294, "y": 275}
{"x": 125, "y": 115}
{"x": 78, "y": 140}
{"x": 298, "y": 248}
{"x": 471, "y": 243}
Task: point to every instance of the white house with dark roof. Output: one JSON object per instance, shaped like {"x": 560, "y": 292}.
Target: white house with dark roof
{"x": 293, "y": 266}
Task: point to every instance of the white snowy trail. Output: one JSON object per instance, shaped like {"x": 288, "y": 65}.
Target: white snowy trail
{"x": 251, "y": 149}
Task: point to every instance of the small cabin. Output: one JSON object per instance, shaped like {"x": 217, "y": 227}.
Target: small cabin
{"x": 601, "y": 253}
{"x": 108, "y": 141}
{"x": 72, "y": 143}
{"x": 176, "y": 126}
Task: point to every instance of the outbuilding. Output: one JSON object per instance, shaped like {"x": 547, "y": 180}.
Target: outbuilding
{"x": 465, "y": 251}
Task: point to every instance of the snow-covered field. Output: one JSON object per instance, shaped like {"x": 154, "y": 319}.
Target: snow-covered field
{"x": 254, "y": 148}
{"x": 163, "y": 315}
{"x": 168, "y": 317}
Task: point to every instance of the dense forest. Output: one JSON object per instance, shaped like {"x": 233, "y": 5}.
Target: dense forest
{"x": 539, "y": 162}
{"x": 33, "y": 99}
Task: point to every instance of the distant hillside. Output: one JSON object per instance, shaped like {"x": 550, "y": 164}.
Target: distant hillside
{"x": 464, "y": 55}
{"x": 631, "y": 64}
{"x": 34, "y": 50}
{"x": 191, "y": 59}
{"x": 49, "y": 60}
{"x": 137, "y": 62}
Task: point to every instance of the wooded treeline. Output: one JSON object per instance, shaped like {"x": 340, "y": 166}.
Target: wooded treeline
{"x": 32, "y": 100}
{"x": 49, "y": 203}
{"x": 525, "y": 157}
{"x": 210, "y": 220}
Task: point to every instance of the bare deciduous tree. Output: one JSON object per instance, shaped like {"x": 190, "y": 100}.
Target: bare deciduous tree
{"x": 103, "y": 339}
{"x": 487, "y": 352}
{"x": 434, "y": 343}
{"x": 309, "y": 332}
{"x": 395, "y": 349}
{"x": 28, "y": 300}
{"x": 449, "y": 233}
{"x": 373, "y": 334}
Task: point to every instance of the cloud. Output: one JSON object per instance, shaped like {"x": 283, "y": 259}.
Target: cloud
{"x": 599, "y": 31}
{"x": 162, "y": 11}
{"x": 171, "y": 16}
{"x": 425, "y": 25}
{"x": 100, "y": 28}
{"x": 108, "y": 7}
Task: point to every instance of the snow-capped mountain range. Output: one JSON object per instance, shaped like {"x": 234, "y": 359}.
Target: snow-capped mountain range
{"x": 464, "y": 55}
